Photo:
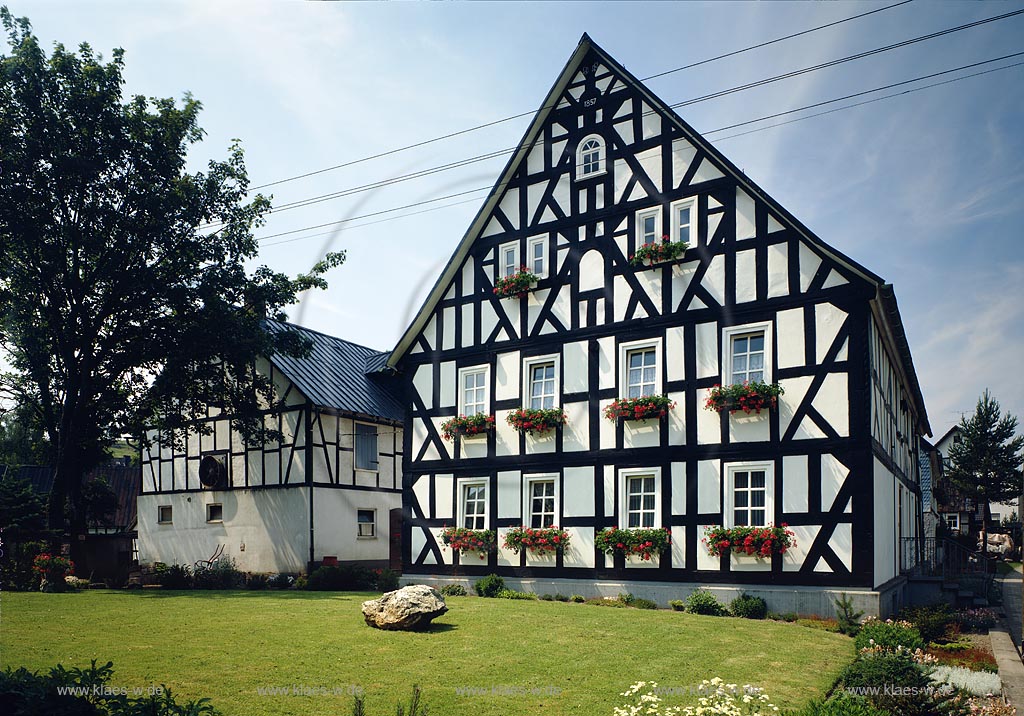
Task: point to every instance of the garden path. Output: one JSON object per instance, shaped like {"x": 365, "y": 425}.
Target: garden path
{"x": 1007, "y": 637}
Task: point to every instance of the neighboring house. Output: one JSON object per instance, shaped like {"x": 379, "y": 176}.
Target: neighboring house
{"x": 110, "y": 548}
{"x": 327, "y": 491}
{"x": 606, "y": 166}
{"x": 964, "y": 515}
{"x": 930, "y": 470}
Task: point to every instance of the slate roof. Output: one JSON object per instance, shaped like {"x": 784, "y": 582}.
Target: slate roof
{"x": 341, "y": 375}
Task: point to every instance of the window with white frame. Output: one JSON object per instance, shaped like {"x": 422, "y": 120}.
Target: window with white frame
{"x": 648, "y": 226}
{"x": 537, "y": 256}
{"x": 749, "y": 489}
{"x": 641, "y": 372}
{"x": 541, "y": 506}
{"x": 508, "y": 259}
{"x": 641, "y": 499}
{"x": 473, "y": 504}
{"x": 215, "y": 512}
{"x": 952, "y": 520}
{"x": 164, "y": 514}
{"x": 541, "y": 382}
{"x": 473, "y": 390}
{"x": 366, "y": 447}
{"x": 366, "y": 523}
{"x": 747, "y": 353}
{"x": 590, "y": 157}
{"x": 684, "y": 221}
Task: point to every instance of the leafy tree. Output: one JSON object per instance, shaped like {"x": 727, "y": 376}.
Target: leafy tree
{"x": 124, "y": 298}
{"x": 21, "y": 439}
{"x": 986, "y": 463}
{"x": 22, "y": 511}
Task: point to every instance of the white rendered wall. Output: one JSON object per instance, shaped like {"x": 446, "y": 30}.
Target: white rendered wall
{"x": 334, "y": 523}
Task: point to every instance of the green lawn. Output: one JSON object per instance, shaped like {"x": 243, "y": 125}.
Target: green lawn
{"x": 226, "y": 645}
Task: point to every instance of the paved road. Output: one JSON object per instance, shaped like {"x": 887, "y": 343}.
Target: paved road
{"x": 1011, "y": 586}
{"x": 1004, "y": 639}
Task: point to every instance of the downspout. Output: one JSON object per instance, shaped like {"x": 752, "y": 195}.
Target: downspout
{"x": 308, "y": 457}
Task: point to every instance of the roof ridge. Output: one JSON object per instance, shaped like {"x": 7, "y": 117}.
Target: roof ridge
{"x": 325, "y": 335}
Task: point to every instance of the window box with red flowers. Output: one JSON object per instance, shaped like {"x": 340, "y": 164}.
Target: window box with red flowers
{"x": 744, "y": 397}
{"x": 517, "y": 285}
{"x": 52, "y": 568}
{"x": 645, "y": 408}
{"x": 465, "y": 541}
{"x": 535, "y": 421}
{"x": 760, "y": 542}
{"x": 642, "y": 543}
{"x": 655, "y": 253}
{"x": 467, "y": 425}
{"x": 538, "y": 541}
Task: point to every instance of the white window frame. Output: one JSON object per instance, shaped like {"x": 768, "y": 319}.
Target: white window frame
{"x": 355, "y": 438}
{"x": 731, "y": 332}
{"x": 528, "y": 482}
{"x": 947, "y": 521}
{"x": 602, "y": 164}
{"x": 691, "y": 234}
{"x": 624, "y": 477}
{"x": 528, "y": 364}
{"x": 160, "y": 514}
{"x": 644, "y": 214}
{"x": 541, "y": 241}
{"x": 625, "y": 349}
{"x": 460, "y": 487}
{"x": 372, "y": 523}
{"x": 486, "y": 370}
{"x": 209, "y": 518}
{"x": 729, "y": 469}
{"x": 501, "y": 265}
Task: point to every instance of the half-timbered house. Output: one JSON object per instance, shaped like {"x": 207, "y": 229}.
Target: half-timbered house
{"x": 604, "y": 168}
{"x": 327, "y": 491}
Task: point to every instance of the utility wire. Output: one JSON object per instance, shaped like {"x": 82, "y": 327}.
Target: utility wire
{"x": 531, "y": 112}
{"x": 712, "y": 131}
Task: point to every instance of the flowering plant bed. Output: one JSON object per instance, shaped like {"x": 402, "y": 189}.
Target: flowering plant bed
{"x": 658, "y": 253}
{"x": 536, "y": 421}
{"x": 467, "y": 425}
{"x": 757, "y": 541}
{"x": 643, "y": 543}
{"x": 463, "y": 540}
{"x": 517, "y": 285}
{"x": 748, "y": 397}
{"x": 52, "y": 568}
{"x": 649, "y": 406}
{"x": 538, "y": 540}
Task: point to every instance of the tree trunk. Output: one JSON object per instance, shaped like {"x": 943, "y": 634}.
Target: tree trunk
{"x": 984, "y": 531}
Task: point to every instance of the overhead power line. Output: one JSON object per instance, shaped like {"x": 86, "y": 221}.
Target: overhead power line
{"x": 712, "y": 131}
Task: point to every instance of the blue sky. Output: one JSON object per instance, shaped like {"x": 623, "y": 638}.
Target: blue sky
{"x": 924, "y": 189}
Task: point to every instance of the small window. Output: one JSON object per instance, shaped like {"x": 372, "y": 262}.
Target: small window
{"x": 648, "y": 227}
{"x": 956, "y": 438}
{"x": 366, "y": 447}
{"x": 165, "y": 515}
{"x": 684, "y": 221}
{"x": 750, "y": 488}
{"x": 641, "y": 501}
{"x": 641, "y": 372}
{"x": 590, "y": 159}
{"x": 996, "y": 517}
{"x": 748, "y": 353}
{"x": 541, "y": 385}
{"x": 542, "y": 503}
{"x": 537, "y": 256}
{"x": 952, "y": 520}
{"x": 473, "y": 391}
{"x": 366, "y": 522}
{"x": 473, "y": 505}
{"x": 215, "y": 513}
{"x": 508, "y": 259}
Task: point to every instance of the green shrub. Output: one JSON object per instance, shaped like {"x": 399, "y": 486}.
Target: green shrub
{"x": 547, "y": 598}
{"x": 749, "y": 607}
{"x": 783, "y": 616}
{"x": 677, "y": 605}
{"x": 177, "y": 576}
{"x": 848, "y": 617}
{"x": 640, "y": 603}
{"x": 343, "y": 578}
{"x": 888, "y": 635}
{"x": 561, "y": 598}
{"x": 577, "y": 598}
{"x": 894, "y": 676}
{"x": 931, "y": 621}
{"x": 513, "y": 594}
{"x": 222, "y": 574}
{"x": 489, "y": 586}
{"x": 602, "y": 602}
{"x": 979, "y": 619}
{"x": 702, "y": 602}
{"x": 301, "y": 582}
{"x": 626, "y": 598}
{"x": 841, "y": 704}
{"x": 386, "y": 580}
{"x": 16, "y": 573}
{"x": 256, "y": 581}
{"x": 280, "y": 581}
{"x": 453, "y": 590}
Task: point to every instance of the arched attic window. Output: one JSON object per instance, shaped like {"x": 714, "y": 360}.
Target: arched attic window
{"x": 590, "y": 157}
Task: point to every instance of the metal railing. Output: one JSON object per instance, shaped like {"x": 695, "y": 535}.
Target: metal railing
{"x": 948, "y": 559}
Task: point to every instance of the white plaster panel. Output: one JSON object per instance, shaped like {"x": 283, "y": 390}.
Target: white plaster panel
{"x": 833, "y": 402}
{"x": 709, "y": 486}
{"x": 789, "y": 401}
{"x": 842, "y": 543}
{"x": 609, "y": 491}
{"x": 607, "y": 430}
{"x": 506, "y": 369}
{"x": 468, "y": 276}
{"x": 506, "y": 557}
{"x": 622, "y": 295}
{"x": 535, "y": 160}
{"x": 444, "y": 497}
{"x": 622, "y": 174}
{"x": 449, "y": 395}
{"x": 778, "y": 270}
{"x": 706, "y": 172}
{"x": 750, "y": 428}
{"x": 678, "y": 488}
{"x": 682, "y": 275}
{"x": 591, "y": 270}
{"x": 748, "y": 563}
{"x": 713, "y": 221}
{"x": 827, "y": 321}
{"x": 745, "y": 228}
{"x": 578, "y": 492}
{"x": 506, "y": 439}
{"x": 606, "y": 361}
{"x": 534, "y": 301}
{"x": 488, "y": 320}
{"x": 714, "y": 279}
{"x": 707, "y": 350}
{"x": 809, "y": 263}
{"x": 804, "y": 536}
{"x": 576, "y": 432}
{"x": 678, "y": 553}
{"x": 746, "y": 276}
{"x": 448, "y": 328}
{"x": 794, "y": 484}
{"x": 674, "y": 353}
{"x": 574, "y": 367}
{"x": 682, "y": 155}
{"x": 651, "y": 282}
{"x": 581, "y": 547}
{"x": 651, "y": 121}
{"x": 650, "y": 161}
{"x": 677, "y": 420}
{"x": 540, "y": 444}
{"x": 705, "y": 561}
{"x": 625, "y": 130}
{"x": 833, "y": 475}
{"x": 709, "y": 426}
{"x": 421, "y": 491}
{"x": 430, "y": 332}
{"x": 422, "y": 382}
{"x": 790, "y": 327}
{"x": 473, "y": 447}
{"x": 641, "y": 433}
{"x": 510, "y": 497}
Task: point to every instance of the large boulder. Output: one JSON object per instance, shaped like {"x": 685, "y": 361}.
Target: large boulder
{"x": 406, "y": 609}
